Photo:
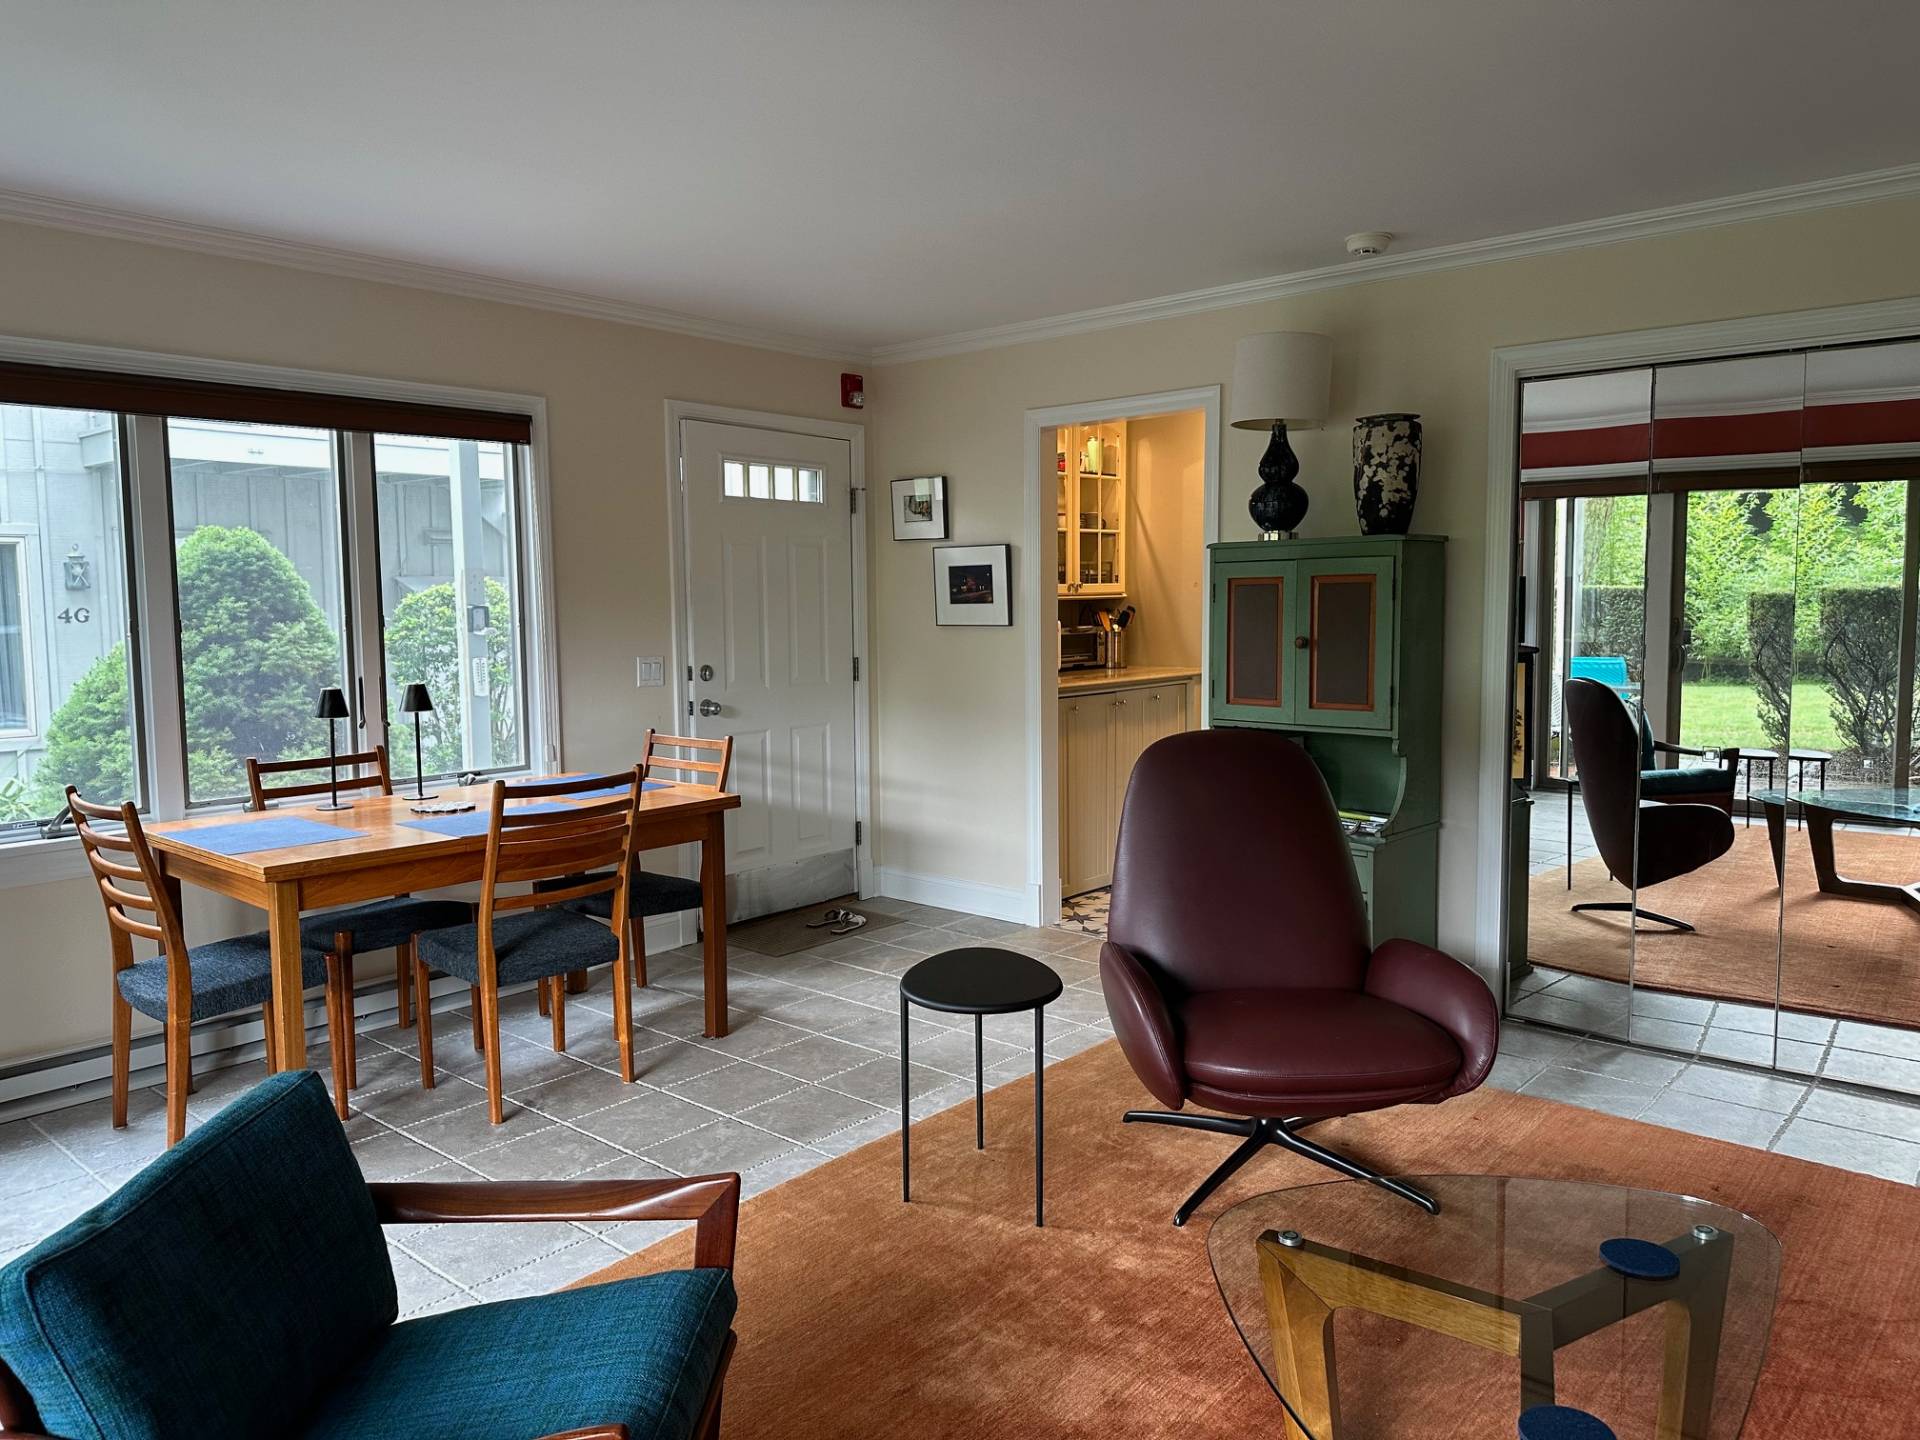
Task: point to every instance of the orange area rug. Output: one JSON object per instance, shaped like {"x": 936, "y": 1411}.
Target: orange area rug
{"x": 955, "y": 1317}
{"x": 1849, "y": 958}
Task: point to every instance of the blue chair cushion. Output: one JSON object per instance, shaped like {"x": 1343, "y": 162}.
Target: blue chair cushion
{"x": 639, "y": 1352}
{"x": 527, "y": 945}
{"x": 383, "y": 924}
{"x": 647, "y": 894}
{"x": 1687, "y": 780}
{"x": 220, "y": 1293}
{"x": 228, "y": 975}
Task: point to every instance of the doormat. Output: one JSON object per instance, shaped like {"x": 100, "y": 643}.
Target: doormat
{"x": 787, "y": 932}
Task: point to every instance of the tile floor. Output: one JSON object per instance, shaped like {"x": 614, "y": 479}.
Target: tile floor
{"x": 809, "y": 1072}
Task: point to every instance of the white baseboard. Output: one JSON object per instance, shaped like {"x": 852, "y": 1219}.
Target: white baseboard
{"x": 69, "y": 1077}
{"x": 1021, "y": 905}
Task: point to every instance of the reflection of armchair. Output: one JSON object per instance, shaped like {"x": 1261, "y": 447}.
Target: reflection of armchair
{"x": 1674, "y": 838}
{"x": 1710, "y": 784}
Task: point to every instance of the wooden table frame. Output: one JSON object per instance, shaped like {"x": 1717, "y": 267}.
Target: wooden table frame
{"x": 391, "y": 858}
{"x": 1306, "y": 1282}
{"x": 1817, "y": 818}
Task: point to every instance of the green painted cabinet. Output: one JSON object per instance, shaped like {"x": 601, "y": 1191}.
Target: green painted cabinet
{"x": 1338, "y": 643}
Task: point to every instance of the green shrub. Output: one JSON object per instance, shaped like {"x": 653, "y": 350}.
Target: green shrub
{"x": 1770, "y": 658}
{"x": 423, "y": 646}
{"x": 89, "y": 741}
{"x": 1860, "y": 658}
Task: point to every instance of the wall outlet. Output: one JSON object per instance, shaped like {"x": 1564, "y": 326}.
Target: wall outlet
{"x": 649, "y": 670}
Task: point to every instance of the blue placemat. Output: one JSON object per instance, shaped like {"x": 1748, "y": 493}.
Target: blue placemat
{"x": 474, "y": 822}
{"x": 621, "y": 790}
{"x": 268, "y": 832}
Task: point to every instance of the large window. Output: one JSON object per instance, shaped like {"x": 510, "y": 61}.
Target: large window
{"x": 65, "y": 696}
{"x": 450, "y": 600}
{"x": 295, "y": 554}
{"x": 261, "y": 590}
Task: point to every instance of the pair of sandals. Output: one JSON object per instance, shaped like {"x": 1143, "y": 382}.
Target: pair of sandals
{"x": 838, "y": 922}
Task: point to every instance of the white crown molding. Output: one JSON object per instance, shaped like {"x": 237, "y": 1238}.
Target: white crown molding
{"x": 1758, "y": 205}
{"x": 56, "y": 214}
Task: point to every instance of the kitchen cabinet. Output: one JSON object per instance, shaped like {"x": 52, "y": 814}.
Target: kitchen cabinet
{"x": 1337, "y": 642}
{"x": 1102, "y": 733}
{"x": 1090, "y": 543}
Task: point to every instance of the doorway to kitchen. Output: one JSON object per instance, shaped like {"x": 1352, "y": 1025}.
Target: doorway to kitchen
{"x": 1122, "y": 503}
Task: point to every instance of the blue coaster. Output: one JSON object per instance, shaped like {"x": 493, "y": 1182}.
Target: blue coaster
{"x": 1639, "y": 1259}
{"x": 1562, "y": 1422}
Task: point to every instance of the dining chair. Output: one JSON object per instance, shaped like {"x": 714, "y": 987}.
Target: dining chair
{"x": 387, "y": 924}
{"x": 183, "y": 983}
{"x": 650, "y": 892}
{"x": 533, "y": 935}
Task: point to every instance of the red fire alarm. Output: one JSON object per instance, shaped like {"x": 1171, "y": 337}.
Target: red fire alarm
{"x": 853, "y": 392}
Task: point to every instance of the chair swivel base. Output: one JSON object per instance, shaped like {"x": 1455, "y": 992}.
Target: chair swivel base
{"x": 1622, "y": 906}
{"x": 1257, "y": 1135}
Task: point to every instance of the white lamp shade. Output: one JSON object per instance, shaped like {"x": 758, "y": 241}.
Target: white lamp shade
{"x": 1282, "y": 376}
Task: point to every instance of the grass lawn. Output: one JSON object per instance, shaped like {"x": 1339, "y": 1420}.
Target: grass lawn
{"x": 1726, "y": 714}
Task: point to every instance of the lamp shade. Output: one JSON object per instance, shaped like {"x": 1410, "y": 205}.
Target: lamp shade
{"x": 333, "y": 704}
{"x": 1281, "y": 377}
{"x": 415, "y": 700}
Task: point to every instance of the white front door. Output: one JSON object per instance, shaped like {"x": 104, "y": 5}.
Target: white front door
{"x": 769, "y": 570}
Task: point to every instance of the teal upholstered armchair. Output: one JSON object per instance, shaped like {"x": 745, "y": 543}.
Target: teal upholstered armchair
{"x": 239, "y": 1288}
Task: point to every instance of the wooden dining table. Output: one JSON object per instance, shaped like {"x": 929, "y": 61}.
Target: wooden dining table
{"x": 391, "y": 855}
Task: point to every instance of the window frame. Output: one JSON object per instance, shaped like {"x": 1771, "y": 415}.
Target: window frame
{"x": 20, "y": 538}
{"x": 154, "y": 650}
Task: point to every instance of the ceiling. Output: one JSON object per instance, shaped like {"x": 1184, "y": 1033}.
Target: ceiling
{"x": 872, "y": 172}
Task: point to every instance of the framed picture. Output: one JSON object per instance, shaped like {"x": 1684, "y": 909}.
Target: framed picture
{"x": 970, "y": 585}
{"x": 920, "y": 508}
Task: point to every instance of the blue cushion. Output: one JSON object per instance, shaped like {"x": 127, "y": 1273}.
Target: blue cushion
{"x": 639, "y": 1352}
{"x": 647, "y": 894}
{"x": 1687, "y": 780}
{"x": 227, "y": 975}
{"x": 382, "y": 924}
{"x": 527, "y": 945}
{"x": 218, "y": 1294}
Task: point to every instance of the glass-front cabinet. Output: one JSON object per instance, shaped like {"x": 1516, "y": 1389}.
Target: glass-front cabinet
{"x": 1090, "y": 549}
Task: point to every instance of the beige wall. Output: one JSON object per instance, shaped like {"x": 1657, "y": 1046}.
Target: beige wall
{"x": 604, "y": 384}
{"x": 1166, "y": 552}
{"x": 952, "y": 801}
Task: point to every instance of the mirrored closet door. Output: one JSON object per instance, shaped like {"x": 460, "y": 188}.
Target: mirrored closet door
{"x": 1716, "y": 849}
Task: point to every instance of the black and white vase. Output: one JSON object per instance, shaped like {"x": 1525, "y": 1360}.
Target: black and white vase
{"x": 1386, "y": 472}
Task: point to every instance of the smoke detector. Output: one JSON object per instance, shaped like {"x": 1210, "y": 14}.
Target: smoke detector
{"x": 1369, "y": 242}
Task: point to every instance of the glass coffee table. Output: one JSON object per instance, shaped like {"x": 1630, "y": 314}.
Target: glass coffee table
{"x": 1820, "y": 809}
{"x": 1371, "y": 1319}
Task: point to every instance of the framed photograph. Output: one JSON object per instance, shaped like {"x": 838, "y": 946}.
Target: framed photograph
{"x": 970, "y": 585}
{"x": 920, "y": 508}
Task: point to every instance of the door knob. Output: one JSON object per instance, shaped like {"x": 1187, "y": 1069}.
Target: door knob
{"x": 706, "y": 672}
{"x": 709, "y": 707}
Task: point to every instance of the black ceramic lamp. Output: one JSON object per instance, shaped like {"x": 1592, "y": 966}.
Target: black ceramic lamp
{"x": 333, "y": 709}
{"x": 415, "y": 701}
{"x": 1280, "y": 378}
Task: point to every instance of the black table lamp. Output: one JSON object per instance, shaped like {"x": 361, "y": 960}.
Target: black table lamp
{"x": 333, "y": 709}
{"x": 415, "y": 701}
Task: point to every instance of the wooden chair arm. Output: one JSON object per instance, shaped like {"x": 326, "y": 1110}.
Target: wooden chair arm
{"x": 711, "y": 1201}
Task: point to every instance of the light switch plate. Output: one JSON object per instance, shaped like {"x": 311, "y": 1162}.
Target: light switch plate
{"x": 649, "y": 670}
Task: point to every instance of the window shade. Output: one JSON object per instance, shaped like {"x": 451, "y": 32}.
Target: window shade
{"x": 127, "y": 394}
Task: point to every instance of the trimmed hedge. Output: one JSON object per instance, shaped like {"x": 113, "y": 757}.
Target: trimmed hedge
{"x": 1860, "y": 656}
{"x": 1612, "y": 620}
{"x": 1770, "y": 659}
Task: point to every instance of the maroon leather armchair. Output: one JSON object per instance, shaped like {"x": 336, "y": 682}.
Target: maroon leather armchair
{"x": 1237, "y": 968}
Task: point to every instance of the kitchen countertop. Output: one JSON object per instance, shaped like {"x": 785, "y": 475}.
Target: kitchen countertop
{"x": 1074, "y": 682}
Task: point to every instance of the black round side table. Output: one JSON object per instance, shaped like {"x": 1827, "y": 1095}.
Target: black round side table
{"x": 979, "y": 981}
